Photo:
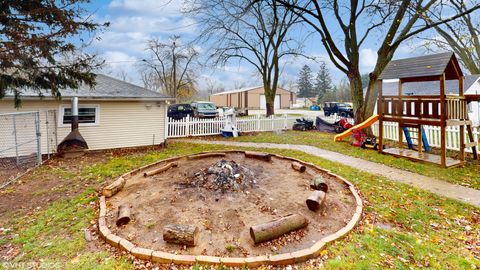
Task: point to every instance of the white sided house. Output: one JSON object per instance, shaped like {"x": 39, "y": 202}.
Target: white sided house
{"x": 112, "y": 114}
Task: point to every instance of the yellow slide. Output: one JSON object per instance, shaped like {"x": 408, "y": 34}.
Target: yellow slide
{"x": 362, "y": 125}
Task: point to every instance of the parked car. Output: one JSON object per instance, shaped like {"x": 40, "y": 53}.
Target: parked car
{"x": 342, "y": 109}
{"x": 204, "y": 109}
{"x": 179, "y": 111}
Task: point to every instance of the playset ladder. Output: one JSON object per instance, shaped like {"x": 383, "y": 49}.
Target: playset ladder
{"x": 472, "y": 143}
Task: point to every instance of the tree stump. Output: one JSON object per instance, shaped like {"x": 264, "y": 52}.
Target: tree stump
{"x": 261, "y": 156}
{"x": 114, "y": 187}
{"x": 318, "y": 183}
{"x": 160, "y": 170}
{"x": 298, "y": 166}
{"x": 180, "y": 234}
{"x": 123, "y": 215}
{"x": 276, "y": 228}
{"x": 316, "y": 200}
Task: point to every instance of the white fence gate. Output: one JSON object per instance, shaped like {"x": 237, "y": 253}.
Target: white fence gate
{"x": 190, "y": 126}
{"x": 390, "y": 132}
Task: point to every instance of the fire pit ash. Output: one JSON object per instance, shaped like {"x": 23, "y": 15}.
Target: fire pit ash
{"x": 223, "y": 176}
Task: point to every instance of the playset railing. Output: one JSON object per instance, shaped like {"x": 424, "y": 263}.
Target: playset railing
{"x": 456, "y": 108}
{"x": 423, "y": 107}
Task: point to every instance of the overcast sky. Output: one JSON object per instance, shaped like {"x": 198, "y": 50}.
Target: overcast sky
{"x": 133, "y": 22}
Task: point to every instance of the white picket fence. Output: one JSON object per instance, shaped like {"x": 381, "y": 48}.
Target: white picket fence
{"x": 190, "y": 126}
{"x": 390, "y": 132}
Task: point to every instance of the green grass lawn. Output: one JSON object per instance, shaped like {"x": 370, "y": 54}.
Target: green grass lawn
{"x": 469, "y": 175}
{"x": 402, "y": 227}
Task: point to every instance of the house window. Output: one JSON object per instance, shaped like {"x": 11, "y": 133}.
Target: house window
{"x": 87, "y": 115}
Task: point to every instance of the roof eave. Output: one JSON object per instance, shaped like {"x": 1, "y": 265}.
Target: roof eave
{"x": 95, "y": 98}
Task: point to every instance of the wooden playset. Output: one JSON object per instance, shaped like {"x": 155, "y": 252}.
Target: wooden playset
{"x": 414, "y": 111}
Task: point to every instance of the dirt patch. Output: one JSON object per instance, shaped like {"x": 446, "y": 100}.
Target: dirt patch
{"x": 56, "y": 179}
{"x": 224, "y": 218}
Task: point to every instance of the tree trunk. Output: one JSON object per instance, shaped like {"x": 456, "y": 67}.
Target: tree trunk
{"x": 180, "y": 234}
{"x": 206, "y": 155}
{"x": 270, "y": 109}
{"x": 318, "y": 183}
{"x": 123, "y": 217}
{"x": 276, "y": 228}
{"x": 298, "y": 166}
{"x": 316, "y": 200}
{"x": 160, "y": 170}
{"x": 371, "y": 96}
{"x": 371, "y": 99}
{"x": 356, "y": 91}
{"x": 261, "y": 156}
{"x": 114, "y": 187}
{"x": 269, "y": 99}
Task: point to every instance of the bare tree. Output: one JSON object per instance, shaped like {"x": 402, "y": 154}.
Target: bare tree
{"x": 212, "y": 86}
{"x": 123, "y": 75}
{"x": 170, "y": 66}
{"x": 461, "y": 36}
{"x": 257, "y": 35}
{"x": 150, "y": 79}
{"x": 398, "y": 21}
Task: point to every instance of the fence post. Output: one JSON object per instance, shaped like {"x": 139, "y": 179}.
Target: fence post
{"x": 16, "y": 139}
{"x": 285, "y": 121}
{"x": 272, "y": 119}
{"x": 39, "y": 134}
{"x": 187, "y": 126}
{"x": 48, "y": 134}
{"x": 55, "y": 124}
{"x": 258, "y": 122}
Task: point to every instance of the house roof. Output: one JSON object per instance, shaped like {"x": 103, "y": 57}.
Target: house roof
{"x": 243, "y": 90}
{"x": 106, "y": 87}
{"x": 471, "y": 85}
{"x": 423, "y": 67}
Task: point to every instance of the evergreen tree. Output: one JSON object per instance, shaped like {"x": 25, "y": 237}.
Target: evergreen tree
{"x": 323, "y": 82}
{"x": 305, "y": 86}
{"x": 40, "y": 46}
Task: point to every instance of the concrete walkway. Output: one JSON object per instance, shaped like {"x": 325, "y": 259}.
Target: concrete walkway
{"x": 453, "y": 191}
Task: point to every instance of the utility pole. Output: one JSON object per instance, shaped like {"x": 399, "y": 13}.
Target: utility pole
{"x": 174, "y": 68}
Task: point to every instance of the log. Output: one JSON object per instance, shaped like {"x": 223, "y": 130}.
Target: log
{"x": 316, "y": 200}
{"x": 114, "y": 187}
{"x": 160, "y": 170}
{"x": 261, "y": 156}
{"x": 298, "y": 166}
{"x": 276, "y": 228}
{"x": 180, "y": 234}
{"x": 123, "y": 217}
{"x": 318, "y": 183}
{"x": 206, "y": 155}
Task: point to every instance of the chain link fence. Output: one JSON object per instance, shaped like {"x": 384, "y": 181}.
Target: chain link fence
{"x": 26, "y": 138}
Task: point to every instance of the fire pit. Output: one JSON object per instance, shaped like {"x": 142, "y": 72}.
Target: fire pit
{"x": 233, "y": 208}
{"x": 222, "y": 176}
{"x": 74, "y": 144}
